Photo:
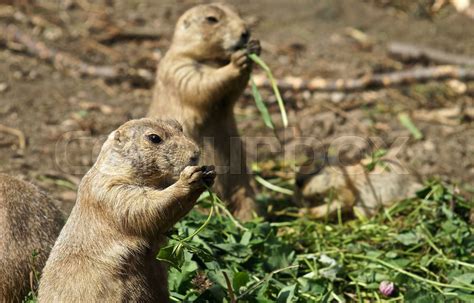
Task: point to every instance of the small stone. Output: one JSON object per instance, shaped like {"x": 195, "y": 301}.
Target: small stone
{"x": 3, "y": 87}
{"x": 337, "y": 97}
{"x": 429, "y": 146}
{"x": 53, "y": 33}
{"x": 306, "y": 95}
{"x": 457, "y": 86}
{"x": 18, "y": 75}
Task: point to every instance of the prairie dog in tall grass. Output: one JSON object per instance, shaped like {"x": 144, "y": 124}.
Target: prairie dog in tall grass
{"x": 142, "y": 183}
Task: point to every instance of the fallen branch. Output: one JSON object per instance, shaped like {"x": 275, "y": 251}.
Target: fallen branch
{"x": 15, "y": 132}
{"x": 115, "y": 34}
{"x": 371, "y": 81}
{"x": 449, "y": 116}
{"x": 409, "y": 52}
{"x": 64, "y": 61}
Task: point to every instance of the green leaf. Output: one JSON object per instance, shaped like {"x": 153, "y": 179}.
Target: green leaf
{"x": 173, "y": 254}
{"x": 240, "y": 279}
{"x": 246, "y": 238}
{"x": 408, "y": 123}
{"x": 438, "y": 192}
{"x": 408, "y": 238}
{"x": 464, "y": 279}
{"x": 287, "y": 294}
{"x": 276, "y": 91}
{"x": 262, "y": 108}
{"x": 465, "y": 297}
{"x": 401, "y": 262}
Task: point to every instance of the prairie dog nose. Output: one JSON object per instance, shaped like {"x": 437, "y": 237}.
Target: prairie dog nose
{"x": 245, "y": 36}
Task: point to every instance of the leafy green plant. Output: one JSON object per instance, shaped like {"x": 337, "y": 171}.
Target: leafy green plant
{"x": 423, "y": 245}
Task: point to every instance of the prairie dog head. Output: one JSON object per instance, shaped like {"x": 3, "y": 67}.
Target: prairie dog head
{"x": 210, "y": 32}
{"x": 152, "y": 152}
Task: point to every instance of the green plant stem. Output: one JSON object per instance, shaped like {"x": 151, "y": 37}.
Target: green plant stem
{"x": 273, "y": 187}
{"x": 267, "y": 119}
{"x": 267, "y": 70}
{"x": 429, "y": 239}
{"x": 458, "y": 262}
{"x": 227, "y": 212}
{"x": 208, "y": 219}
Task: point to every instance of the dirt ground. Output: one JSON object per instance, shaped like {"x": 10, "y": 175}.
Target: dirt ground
{"x": 65, "y": 118}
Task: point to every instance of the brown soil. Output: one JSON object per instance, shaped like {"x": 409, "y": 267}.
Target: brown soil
{"x": 65, "y": 118}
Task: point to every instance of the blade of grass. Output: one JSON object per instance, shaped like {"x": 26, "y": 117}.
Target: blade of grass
{"x": 408, "y": 123}
{"x": 267, "y": 119}
{"x": 273, "y": 187}
{"x": 217, "y": 202}
{"x": 266, "y": 278}
{"x": 197, "y": 231}
{"x": 276, "y": 91}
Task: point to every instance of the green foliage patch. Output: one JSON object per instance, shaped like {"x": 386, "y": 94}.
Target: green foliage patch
{"x": 424, "y": 245}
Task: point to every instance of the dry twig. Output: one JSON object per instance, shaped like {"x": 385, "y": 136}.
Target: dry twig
{"x": 409, "y": 52}
{"x": 414, "y": 75}
{"x": 115, "y": 33}
{"x": 15, "y": 132}
{"x": 449, "y": 116}
{"x": 64, "y": 61}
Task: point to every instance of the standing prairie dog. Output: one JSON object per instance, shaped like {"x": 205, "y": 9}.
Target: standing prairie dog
{"x": 29, "y": 224}
{"x": 198, "y": 82}
{"x": 352, "y": 189}
{"x": 142, "y": 183}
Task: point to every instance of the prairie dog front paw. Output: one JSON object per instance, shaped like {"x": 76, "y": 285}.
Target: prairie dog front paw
{"x": 197, "y": 177}
{"x": 240, "y": 60}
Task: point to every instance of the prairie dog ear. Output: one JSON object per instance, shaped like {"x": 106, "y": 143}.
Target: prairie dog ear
{"x": 186, "y": 23}
{"x": 118, "y": 136}
{"x": 175, "y": 124}
{"x": 119, "y": 139}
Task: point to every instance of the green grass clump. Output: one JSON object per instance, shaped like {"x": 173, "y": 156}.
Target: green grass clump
{"x": 424, "y": 245}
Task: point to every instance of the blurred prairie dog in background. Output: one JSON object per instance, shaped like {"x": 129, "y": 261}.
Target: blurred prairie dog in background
{"x": 198, "y": 83}
{"x": 142, "y": 183}
{"x": 324, "y": 188}
{"x": 29, "y": 224}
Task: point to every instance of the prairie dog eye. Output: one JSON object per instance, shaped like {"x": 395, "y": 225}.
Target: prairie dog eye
{"x": 212, "y": 19}
{"x": 154, "y": 138}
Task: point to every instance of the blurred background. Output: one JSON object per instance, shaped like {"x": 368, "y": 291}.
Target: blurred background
{"x": 71, "y": 71}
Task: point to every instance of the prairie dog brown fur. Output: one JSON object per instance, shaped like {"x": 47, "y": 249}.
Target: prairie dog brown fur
{"x": 352, "y": 189}
{"x": 199, "y": 80}
{"x": 29, "y": 223}
{"x": 142, "y": 183}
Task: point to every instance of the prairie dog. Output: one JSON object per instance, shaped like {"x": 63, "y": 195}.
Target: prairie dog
{"x": 29, "y": 224}
{"x": 352, "y": 189}
{"x": 142, "y": 183}
{"x": 198, "y": 82}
